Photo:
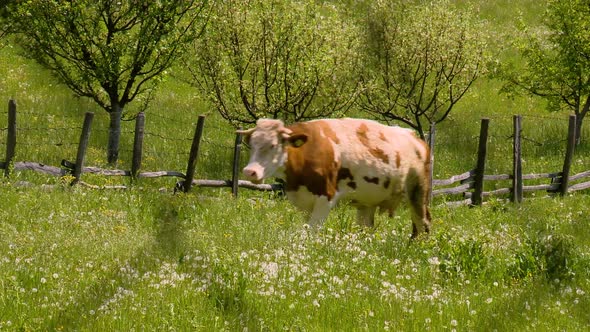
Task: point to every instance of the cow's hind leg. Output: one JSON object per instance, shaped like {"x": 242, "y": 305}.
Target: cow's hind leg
{"x": 365, "y": 215}
{"x": 418, "y": 199}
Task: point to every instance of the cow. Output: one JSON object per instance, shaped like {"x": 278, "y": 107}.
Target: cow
{"x": 323, "y": 161}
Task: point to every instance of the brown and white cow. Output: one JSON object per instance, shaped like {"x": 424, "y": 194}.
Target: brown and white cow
{"x": 323, "y": 161}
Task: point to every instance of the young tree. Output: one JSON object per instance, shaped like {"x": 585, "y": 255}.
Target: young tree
{"x": 556, "y": 60}
{"x": 108, "y": 50}
{"x": 421, "y": 60}
{"x": 271, "y": 58}
{"x": 4, "y": 26}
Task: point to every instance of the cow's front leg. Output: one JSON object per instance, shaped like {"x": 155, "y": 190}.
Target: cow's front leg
{"x": 365, "y": 215}
{"x": 321, "y": 209}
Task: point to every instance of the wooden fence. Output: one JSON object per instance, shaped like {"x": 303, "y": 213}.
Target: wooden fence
{"x": 469, "y": 186}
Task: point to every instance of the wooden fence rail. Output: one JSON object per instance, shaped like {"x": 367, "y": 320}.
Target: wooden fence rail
{"x": 468, "y": 186}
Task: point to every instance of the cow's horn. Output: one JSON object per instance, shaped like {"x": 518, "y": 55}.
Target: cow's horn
{"x": 246, "y": 132}
{"x": 285, "y": 132}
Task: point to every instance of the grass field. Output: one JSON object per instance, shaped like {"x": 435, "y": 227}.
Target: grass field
{"x": 74, "y": 259}
{"x": 146, "y": 259}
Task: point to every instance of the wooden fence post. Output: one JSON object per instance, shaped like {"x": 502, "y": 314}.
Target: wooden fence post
{"x": 192, "y": 159}
{"x": 137, "y": 145}
{"x": 477, "y": 197}
{"x": 431, "y": 140}
{"x": 236, "y": 165}
{"x": 82, "y": 145}
{"x": 569, "y": 154}
{"x": 516, "y": 194}
{"x": 11, "y": 137}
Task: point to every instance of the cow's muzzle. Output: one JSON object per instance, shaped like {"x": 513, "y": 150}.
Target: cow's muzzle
{"x": 253, "y": 174}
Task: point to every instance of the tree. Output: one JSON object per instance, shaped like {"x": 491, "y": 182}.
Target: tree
{"x": 4, "y": 26}
{"x": 556, "y": 58}
{"x": 271, "y": 58}
{"x": 421, "y": 60}
{"x": 108, "y": 50}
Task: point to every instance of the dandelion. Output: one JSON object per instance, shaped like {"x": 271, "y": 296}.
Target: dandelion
{"x": 454, "y": 322}
{"x": 55, "y": 276}
{"x": 316, "y": 303}
{"x": 489, "y": 300}
{"x": 43, "y": 280}
{"x": 434, "y": 261}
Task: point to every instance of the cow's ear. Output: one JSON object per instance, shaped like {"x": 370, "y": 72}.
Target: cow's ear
{"x": 297, "y": 140}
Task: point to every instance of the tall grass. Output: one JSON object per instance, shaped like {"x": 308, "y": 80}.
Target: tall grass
{"x": 73, "y": 259}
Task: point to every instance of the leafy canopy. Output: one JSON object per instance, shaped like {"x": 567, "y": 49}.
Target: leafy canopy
{"x": 280, "y": 59}
{"x": 421, "y": 60}
{"x": 556, "y": 58}
{"x": 106, "y": 50}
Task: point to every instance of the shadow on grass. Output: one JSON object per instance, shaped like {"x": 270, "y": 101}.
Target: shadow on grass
{"x": 169, "y": 245}
{"x": 521, "y": 311}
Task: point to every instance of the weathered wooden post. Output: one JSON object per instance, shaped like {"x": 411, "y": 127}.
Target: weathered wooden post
{"x": 82, "y": 146}
{"x": 11, "y": 137}
{"x": 192, "y": 158}
{"x": 569, "y": 154}
{"x": 236, "y": 165}
{"x": 137, "y": 145}
{"x": 431, "y": 140}
{"x": 516, "y": 194}
{"x": 477, "y": 197}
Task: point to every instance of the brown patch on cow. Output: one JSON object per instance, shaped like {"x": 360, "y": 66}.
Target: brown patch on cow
{"x": 374, "y": 180}
{"x": 398, "y": 159}
{"x": 418, "y": 154}
{"x": 328, "y": 132}
{"x": 387, "y": 183}
{"x": 362, "y": 135}
{"x": 312, "y": 165}
{"x": 382, "y": 137}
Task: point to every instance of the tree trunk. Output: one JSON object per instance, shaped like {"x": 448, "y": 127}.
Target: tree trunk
{"x": 114, "y": 134}
{"x": 579, "y": 121}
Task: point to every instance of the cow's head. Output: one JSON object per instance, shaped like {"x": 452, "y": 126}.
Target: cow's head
{"x": 268, "y": 141}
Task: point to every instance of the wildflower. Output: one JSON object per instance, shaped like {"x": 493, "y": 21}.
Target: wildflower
{"x": 489, "y": 300}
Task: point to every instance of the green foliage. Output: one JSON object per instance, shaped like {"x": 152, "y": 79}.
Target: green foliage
{"x": 422, "y": 60}
{"x": 277, "y": 59}
{"x": 109, "y": 51}
{"x": 106, "y": 50}
{"x": 556, "y": 59}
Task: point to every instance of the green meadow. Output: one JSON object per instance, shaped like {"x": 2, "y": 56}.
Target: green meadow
{"x": 145, "y": 258}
